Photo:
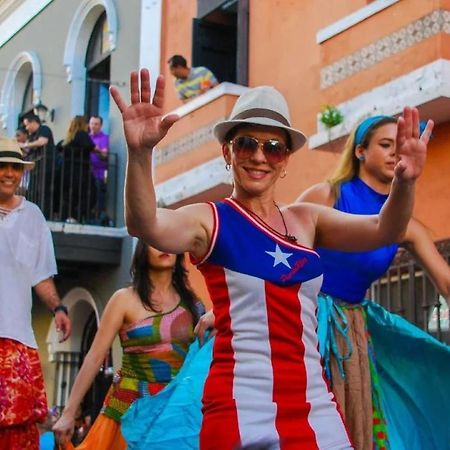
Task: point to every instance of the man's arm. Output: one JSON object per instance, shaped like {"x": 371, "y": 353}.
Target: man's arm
{"x": 39, "y": 142}
{"x": 46, "y": 291}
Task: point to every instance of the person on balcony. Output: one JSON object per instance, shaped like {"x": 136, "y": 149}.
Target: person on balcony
{"x": 78, "y": 182}
{"x": 99, "y": 166}
{"x": 154, "y": 318}
{"x": 265, "y": 383}
{"x": 360, "y": 185}
{"x": 40, "y": 147}
{"x": 40, "y": 140}
{"x": 190, "y": 82}
{"x": 27, "y": 262}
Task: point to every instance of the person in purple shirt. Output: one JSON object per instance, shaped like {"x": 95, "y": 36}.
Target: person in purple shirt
{"x": 99, "y": 164}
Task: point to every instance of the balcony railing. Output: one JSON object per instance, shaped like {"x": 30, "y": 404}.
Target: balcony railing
{"x": 62, "y": 184}
{"x": 408, "y": 291}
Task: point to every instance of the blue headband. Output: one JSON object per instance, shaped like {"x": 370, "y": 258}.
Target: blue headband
{"x": 368, "y": 123}
{"x": 365, "y": 125}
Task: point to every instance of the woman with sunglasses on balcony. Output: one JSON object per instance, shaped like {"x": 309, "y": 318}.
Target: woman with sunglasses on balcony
{"x": 265, "y": 383}
{"x": 360, "y": 185}
{"x": 154, "y": 319}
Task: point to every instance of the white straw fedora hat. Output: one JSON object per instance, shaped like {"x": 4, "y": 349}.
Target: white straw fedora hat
{"x": 10, "y": 152}
{"x": 262, "y": 105}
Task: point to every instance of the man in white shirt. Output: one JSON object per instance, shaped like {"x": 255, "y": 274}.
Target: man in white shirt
{"x": 27, "y": 261}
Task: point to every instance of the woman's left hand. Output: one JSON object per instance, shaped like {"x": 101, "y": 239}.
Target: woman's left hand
{"x": 411, "y": 148}
{"x": 205, "y": 324}
{"x": 64, "y": 428}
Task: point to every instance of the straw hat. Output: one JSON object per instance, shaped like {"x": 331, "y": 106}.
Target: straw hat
{"x": 262, "y": 105}
{"x": 10, "y": 152}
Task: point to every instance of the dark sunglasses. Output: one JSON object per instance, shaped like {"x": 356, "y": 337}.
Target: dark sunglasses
{"x": 245, "y": 146}
{"x": 15, "y": 166}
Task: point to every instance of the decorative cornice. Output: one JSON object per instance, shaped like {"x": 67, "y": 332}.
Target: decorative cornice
{"x": 430, "y": 25}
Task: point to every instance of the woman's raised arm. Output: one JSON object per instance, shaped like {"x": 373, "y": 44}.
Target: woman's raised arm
{"x": 144, "y": 124}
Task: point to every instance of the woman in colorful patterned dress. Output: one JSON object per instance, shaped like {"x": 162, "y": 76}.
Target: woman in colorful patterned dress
{"x": 154, "y": 319}
{"x": 360, "y": 185}
{"x": 265, "y": 385}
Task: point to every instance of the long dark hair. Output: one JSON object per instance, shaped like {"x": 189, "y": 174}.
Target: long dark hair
{"x": 142, "y": 284}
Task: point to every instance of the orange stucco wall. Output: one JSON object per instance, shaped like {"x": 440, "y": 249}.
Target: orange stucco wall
{"x": 283, "y": 52}
{"x": 176, "y": 39}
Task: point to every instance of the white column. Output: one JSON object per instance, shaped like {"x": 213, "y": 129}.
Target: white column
{"x": 150, "y": 37}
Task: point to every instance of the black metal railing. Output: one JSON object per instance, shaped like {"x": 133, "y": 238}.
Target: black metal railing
{"x": 67, "y": 364}
{"x": 408, "y": 291}
{"x": 63, "y": 185}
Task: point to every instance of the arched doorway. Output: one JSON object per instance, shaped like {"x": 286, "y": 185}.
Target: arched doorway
{"x": 93, "y": 400}
{"x": 68, "y": 356}
{"x": 21, "y": 89}
{"x": 98, "y": 72}
{"x": 92, "y": 34}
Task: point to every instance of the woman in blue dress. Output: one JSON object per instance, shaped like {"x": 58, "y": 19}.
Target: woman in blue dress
{"x": 352, "y": 330}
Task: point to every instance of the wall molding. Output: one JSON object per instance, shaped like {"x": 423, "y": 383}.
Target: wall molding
{"x": 185, "y": 144}
{"x": 150, "y": 38}
{"x": 193, "y": 182}
{"x": 422, "y": 86}
{"x": 353, "y": 19}
{"x": 436, "y": 22}
{"x": 14, "y": 15}
{"x": 225, "y": 88}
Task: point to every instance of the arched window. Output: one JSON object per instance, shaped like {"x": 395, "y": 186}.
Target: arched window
{"x": 98, "y": 71}
{"x": 27, "y": 100}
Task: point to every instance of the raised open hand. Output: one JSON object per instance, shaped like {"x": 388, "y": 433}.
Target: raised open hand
{"x": 143, "y": 121}
{"x": 411, "y": 148}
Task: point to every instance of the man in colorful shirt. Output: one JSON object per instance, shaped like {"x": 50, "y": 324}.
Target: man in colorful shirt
{"x": 190, "y": 82}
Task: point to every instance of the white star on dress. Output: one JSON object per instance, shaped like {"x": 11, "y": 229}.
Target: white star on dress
{"x": 279, "y": 257}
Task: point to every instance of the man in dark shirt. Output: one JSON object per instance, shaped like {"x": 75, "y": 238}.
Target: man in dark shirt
{"x": 44, "y": 183}
{"x": 40, "y": 138}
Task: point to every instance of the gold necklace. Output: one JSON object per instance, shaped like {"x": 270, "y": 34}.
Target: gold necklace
{"x": 289, "y": 237}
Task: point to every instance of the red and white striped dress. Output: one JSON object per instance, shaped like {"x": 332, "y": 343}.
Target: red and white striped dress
{"x": 265, "y": 389}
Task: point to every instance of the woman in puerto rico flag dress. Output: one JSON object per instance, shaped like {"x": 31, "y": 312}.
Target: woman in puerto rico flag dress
{"x": 265, "y": 388}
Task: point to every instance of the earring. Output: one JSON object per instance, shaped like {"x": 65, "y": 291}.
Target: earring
{"x": 283, "y": 175}
{"x": 227, "y": 167}
{"x": 361, "y": 157}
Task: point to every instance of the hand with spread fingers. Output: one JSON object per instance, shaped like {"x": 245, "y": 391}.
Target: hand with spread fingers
{"x": 143, "y": 120}
{"x": 411, "y": 146}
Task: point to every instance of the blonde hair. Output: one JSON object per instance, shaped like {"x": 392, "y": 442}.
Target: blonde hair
{"x": 348, "y": 166}
{"x": 78, "y": 123}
